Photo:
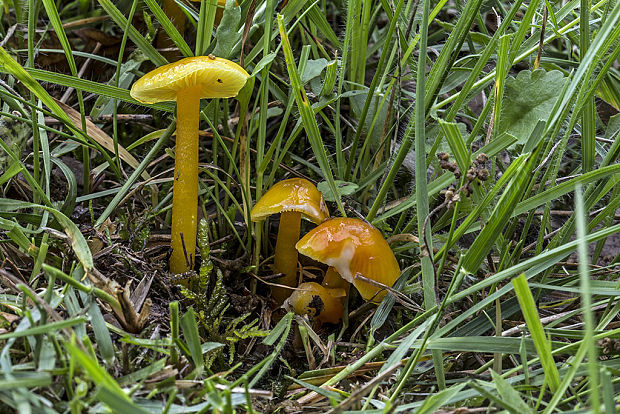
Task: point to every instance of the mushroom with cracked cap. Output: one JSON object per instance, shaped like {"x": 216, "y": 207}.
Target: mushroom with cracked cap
{"x": 187, "y": 82}
{"x": 353, "y": 247}
{"x": 293, "y": 198}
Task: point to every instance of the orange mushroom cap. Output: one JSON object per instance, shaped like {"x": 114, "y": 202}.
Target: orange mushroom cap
{"x": 318, "y": 302}
{"x": 353, "y": 246}
{"x": 294, "y": 194}
{"x": 215, "y": 77}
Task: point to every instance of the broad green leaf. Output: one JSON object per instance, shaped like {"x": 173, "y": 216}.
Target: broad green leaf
{"x": 313, "y": 68}
{"x": 528, "y": 98}
{"x": 227, "y": 35}
{"x": 344, "y": 188}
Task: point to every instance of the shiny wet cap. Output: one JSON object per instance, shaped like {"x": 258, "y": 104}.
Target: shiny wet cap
{"x": 216, "y": 78}
{"x": 353, "y": 247}
{"x": 294, "y": 194}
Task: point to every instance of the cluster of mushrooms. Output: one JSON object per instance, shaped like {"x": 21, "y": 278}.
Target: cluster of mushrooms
{"x": 355, "y": 252}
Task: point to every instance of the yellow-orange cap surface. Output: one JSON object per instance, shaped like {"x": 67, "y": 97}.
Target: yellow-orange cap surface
{"x": 352, "y": 246}
{"x": 294, "y": 194}
{"x": 216, "y": 78}
{"x": 318, "y": 302}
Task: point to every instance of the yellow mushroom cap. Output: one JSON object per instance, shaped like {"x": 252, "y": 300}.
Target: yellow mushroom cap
{"x": 317, "y": 302}
{"x": 294, "y": 194}
{"x": 216, "y": 78}
{"x": 353, "y": 246}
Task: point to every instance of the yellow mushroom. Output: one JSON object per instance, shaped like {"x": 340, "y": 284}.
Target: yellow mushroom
{"x": 318, "y": 302}
{"x": 353, "y": 247}
{"x": 293, "y": 198}
{"x": 187, "y": 81}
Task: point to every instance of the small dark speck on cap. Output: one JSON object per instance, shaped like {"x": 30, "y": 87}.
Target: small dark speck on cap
{"x": 219, "y": 80}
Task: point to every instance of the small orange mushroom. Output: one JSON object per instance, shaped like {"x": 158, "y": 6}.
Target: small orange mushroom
{"x": 293, "y": 198}
{"x": 318, "y": 302}
{"x": 353, "y": 247}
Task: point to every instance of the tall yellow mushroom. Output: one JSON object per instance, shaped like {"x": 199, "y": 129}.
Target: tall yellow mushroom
{"x": 187, "y": 81}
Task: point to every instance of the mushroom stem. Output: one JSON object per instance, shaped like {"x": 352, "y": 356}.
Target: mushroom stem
{"x": 185, "y": 187}
{"x": 333, "y": 280}
{"x": 286, "y": 254}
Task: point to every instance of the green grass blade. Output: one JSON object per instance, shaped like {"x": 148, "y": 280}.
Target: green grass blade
{"x": 44, "y": 329}
{"x": 134, "y": 35}
{"x": 498, "y": 220}
{"x": 169, "y": 28}
{"x": 530, "y": 313}
{"x": 95, "y": 371}
{"x": 566, "y": 187}
{"x": 509, "y": 395}
{"x": 118, "y": 405}
{"x": 92, "y": 87}
{"x": 192, "y": 338}
{"x": 457, "y": 144}
{"x": 371, "y": 92}
{"x": 307, "y": 115}
{"x": 586, "y": 302}
{"x": 435, "y": 401}
{"x": 122, "y": 192}
{"x": 424, "y": 228}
